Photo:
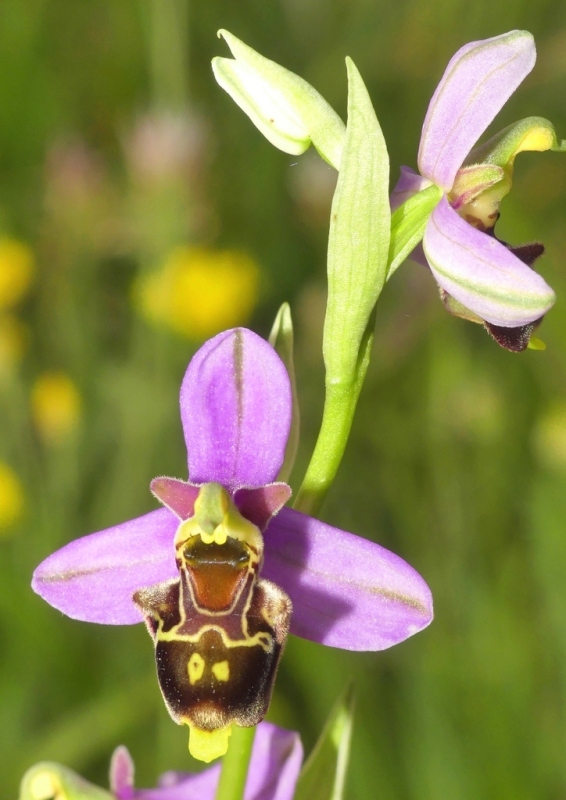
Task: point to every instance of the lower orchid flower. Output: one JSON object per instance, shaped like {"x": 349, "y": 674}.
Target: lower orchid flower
{"x": 222, "y": 572}
{"x": 274, "y": 767}
{"x": 275, "y": 764}
{"x": 481, "y": 278}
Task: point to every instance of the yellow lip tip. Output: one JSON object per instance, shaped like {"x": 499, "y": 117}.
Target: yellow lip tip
{"x": 208, "y": 745}
{"x": 536, "y": 344}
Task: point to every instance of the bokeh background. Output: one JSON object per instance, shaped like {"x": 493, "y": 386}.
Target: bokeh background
{"x": 140, "y": 212}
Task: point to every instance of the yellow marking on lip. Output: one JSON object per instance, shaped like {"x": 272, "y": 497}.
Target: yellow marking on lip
{"x": 195, "y": 668}
{"x": 262, "y": 638}
{"x": 221, "y": 671}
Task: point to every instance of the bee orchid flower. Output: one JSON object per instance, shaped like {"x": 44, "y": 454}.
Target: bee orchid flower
{"x": 215, "y": 572}
{"x": 480, "y": 278}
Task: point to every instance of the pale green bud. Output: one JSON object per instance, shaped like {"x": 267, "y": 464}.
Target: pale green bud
{"x": 284, "y": 107}
{"x": 358, "y": 243}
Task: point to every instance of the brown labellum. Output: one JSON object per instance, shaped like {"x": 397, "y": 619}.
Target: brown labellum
{"x": 219, "y": 633}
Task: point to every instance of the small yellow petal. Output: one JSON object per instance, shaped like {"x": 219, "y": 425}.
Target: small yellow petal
{"x": 56, "y": 406}
{"x": 536, "y": 344}
{"x": 16, "y": 271}
{"x": 11, "y": 497}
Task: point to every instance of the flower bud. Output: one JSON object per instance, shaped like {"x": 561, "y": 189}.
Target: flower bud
{"x": 284, "y": 107}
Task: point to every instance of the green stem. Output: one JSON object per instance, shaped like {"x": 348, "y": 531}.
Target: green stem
{"x": 339, "y": 408}
{"x": 235, "y": 764}
{"x": 334, "y": 431}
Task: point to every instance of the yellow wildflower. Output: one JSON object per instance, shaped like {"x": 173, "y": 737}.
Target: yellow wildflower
{"x": 55, "y": 406}
{"x": 11, "y": 497}
{"x": 16, "y": 271}
{"x": 199, "y": 292}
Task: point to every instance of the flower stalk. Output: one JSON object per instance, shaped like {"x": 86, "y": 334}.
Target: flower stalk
{"x": 235, "y": 764}
{"x": 338, "y": 414}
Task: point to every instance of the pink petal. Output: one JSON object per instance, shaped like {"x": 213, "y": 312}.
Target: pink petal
{"x": 122, "y": 774}
{"x": 259, "y": 505}
{"x": 236, "y": 411}
{"x": 477, "y": 83}
{"x": 93, "y": 578}
{"x": 176, "y": 495}
{"x": 347, "y": 592}
{"x": 481, "y": 273}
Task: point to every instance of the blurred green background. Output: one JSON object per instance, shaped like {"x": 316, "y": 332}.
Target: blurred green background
{"x": 127, "y": 178}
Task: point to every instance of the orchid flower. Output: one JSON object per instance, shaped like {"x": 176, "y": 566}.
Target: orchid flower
{"x": 192, "y": 569}
{"x": 480, "y": 277}
{"x": 274, "y": 768}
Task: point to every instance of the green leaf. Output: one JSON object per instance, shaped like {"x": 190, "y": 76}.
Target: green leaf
{"x": 359, "y": 235}
{"x": 324, "y": 774}
{"x": 281, "y": 338}
{"x": 49, "y": 780}
{"x": 289, "y": 112}
{"x": 408, "y": 224}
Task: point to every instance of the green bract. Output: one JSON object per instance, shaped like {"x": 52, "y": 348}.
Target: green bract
{"x": 282, "y": 339}
{"x": 358, "y": 250}
{"x": 358, "y": 242}
{"x": 324, "y": 774}
{"x": 285, "y": 108}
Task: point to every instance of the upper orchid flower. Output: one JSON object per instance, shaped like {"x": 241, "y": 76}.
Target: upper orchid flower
{"x": 274, "y": 768}
{"x": 489, "y": 281}
{"x": 191, "y": 570}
